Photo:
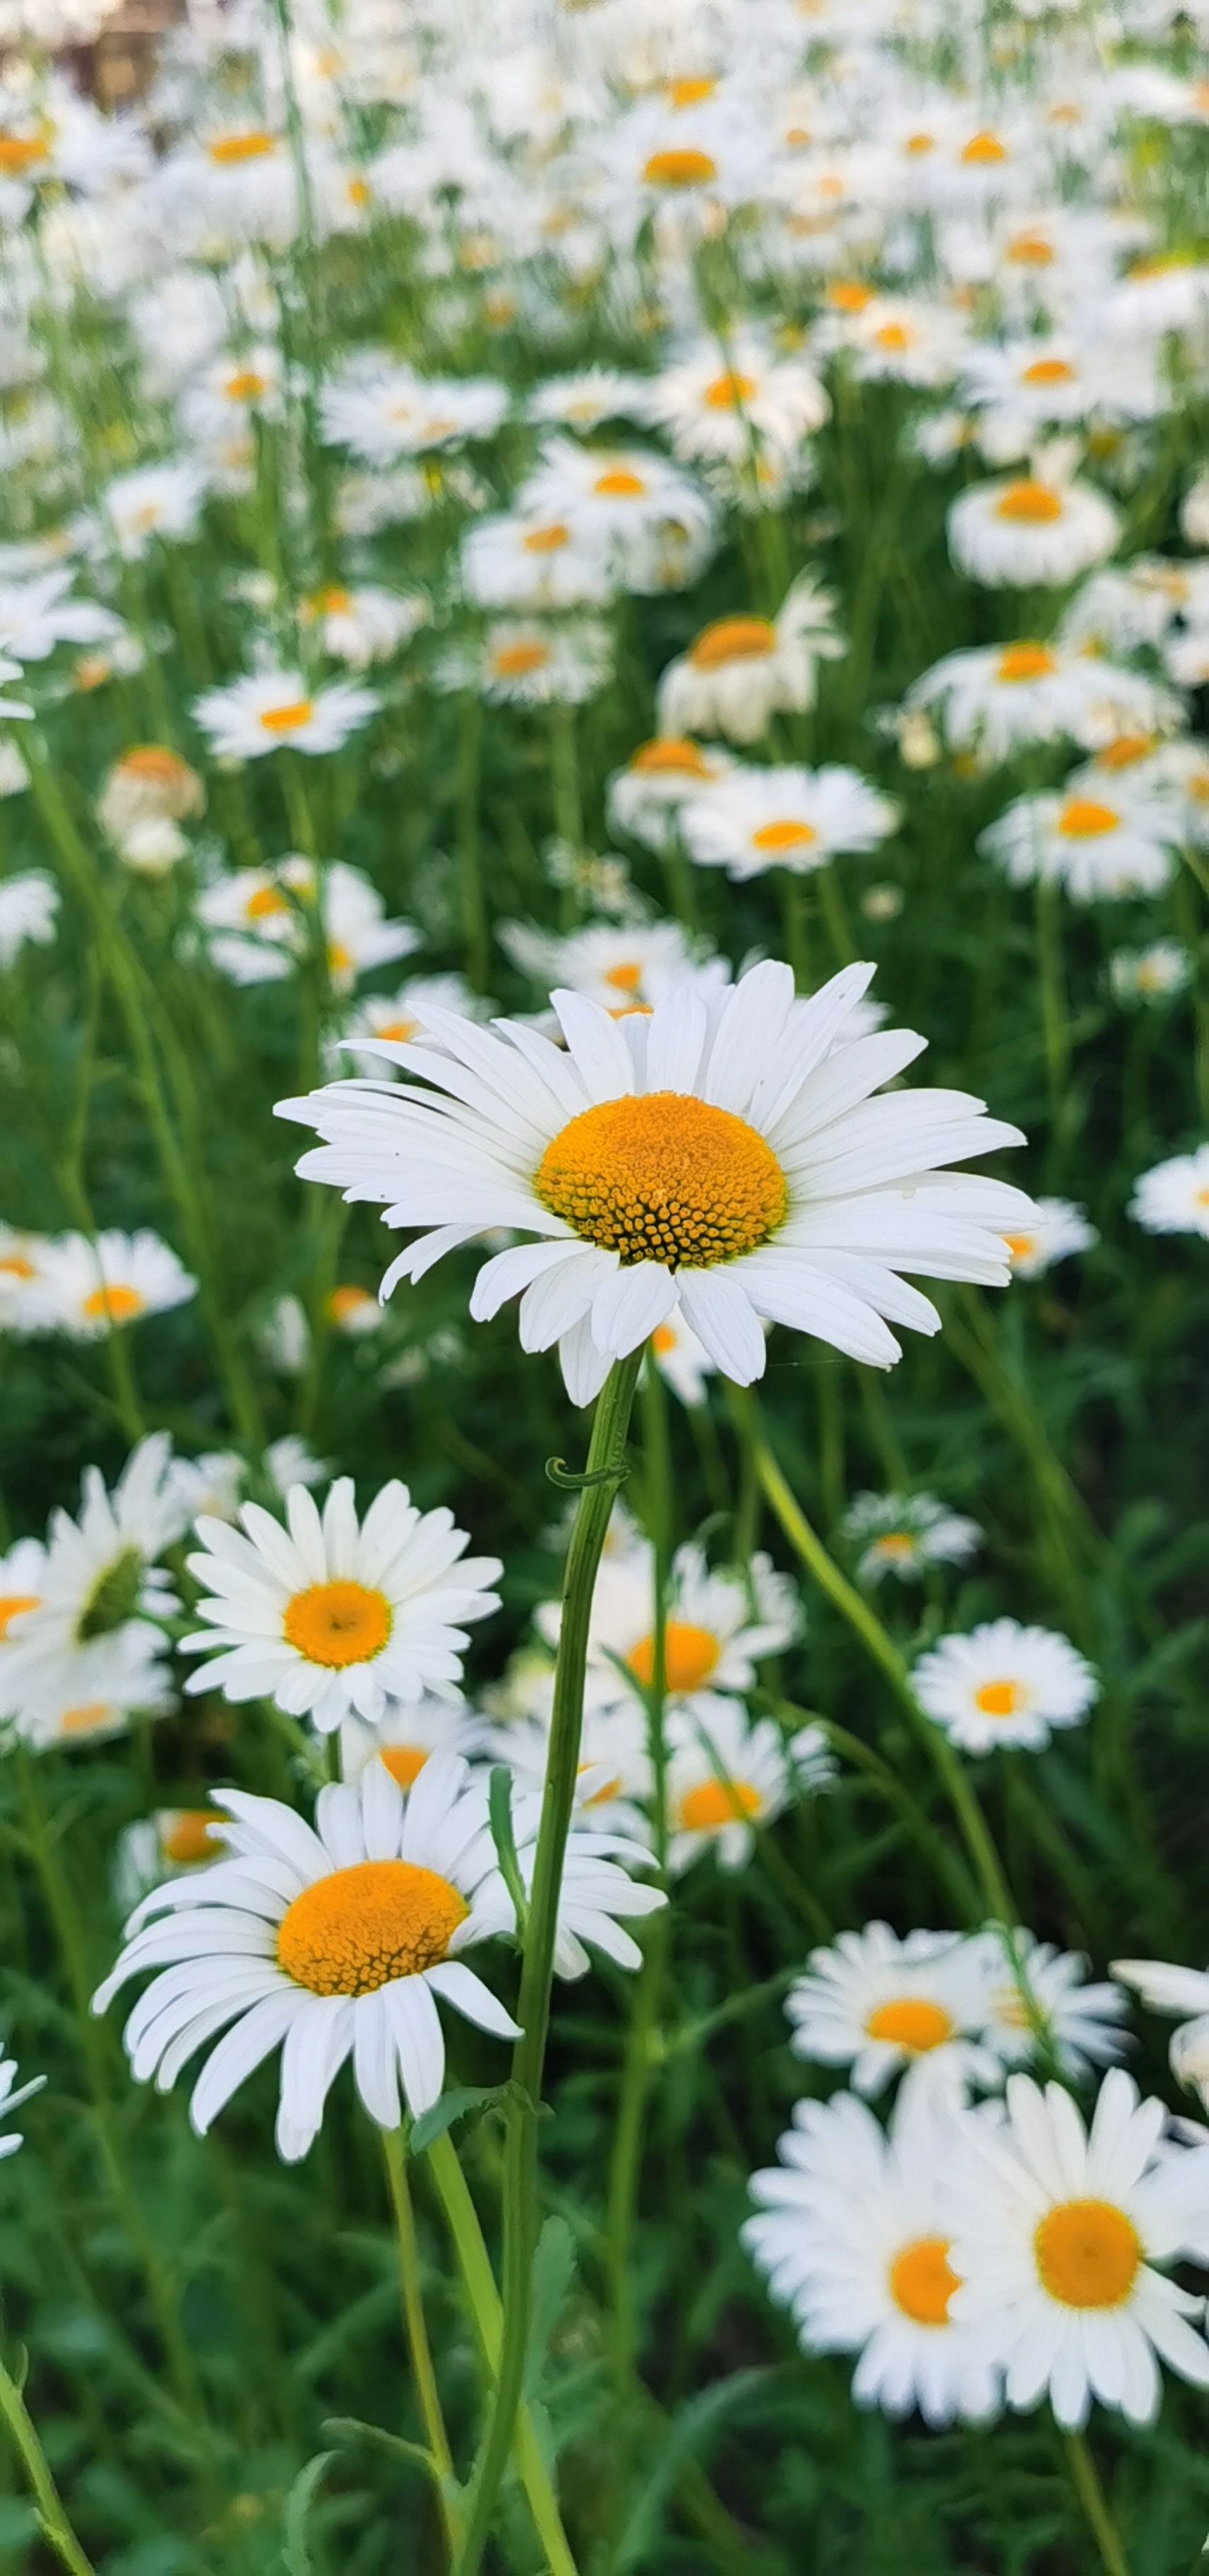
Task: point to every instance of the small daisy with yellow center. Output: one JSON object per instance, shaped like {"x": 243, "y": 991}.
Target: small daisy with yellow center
{"x": 722, "y": 1156}
{"x": 365, "y": 624}
{"x": 728, "y": 1776}
{"x": 903, "y": 1534}
{"x": 279, "y": 710}
{"x": 646, "y": 519}
{"x": 613, "y": 1777}
{"x": 741, "y": 670}
{"x": 720, "y": 1625}
{"x": 1173, "y": 1197}
{"x": 332, "y": 1615}
{"x": 885, "y": 2007}
{"x": 853, "y": 2235}
{"x": 1059, "y": 1228}
{"x": 1004, "y": 1684}
{"x": 715, "y": 401}
{"x": 627, "y": 967}
{"x": 1097, "y": 847}
{"x": 1057, "y": 2232}
{"x": 995, "y": 699}
{"x": 1036, "y": 527}
{"x": 797, "y": 819}
{"x": 84, "y": 1653}
{"x": 645, "y": 799}
{"x": 1040, "y": 1998}
{"x": 534, "y": 559}
{"x": 94, "y": 1288}
{"x": 391, "y": 1017}
{"x": 407, "y": 1734}
{"x": 1150, "y": 975}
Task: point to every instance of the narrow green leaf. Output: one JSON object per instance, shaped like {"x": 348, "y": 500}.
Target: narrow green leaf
{"x": 298, "y": 2503}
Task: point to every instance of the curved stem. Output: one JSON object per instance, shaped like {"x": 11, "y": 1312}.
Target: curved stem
{"x": 52, "y": 2519}
{"x": 417, "y": 2332}
{"x": 606, "y": 1462}
{"x": 1085, "y": 2478}
{"x": 479, "y": 2282}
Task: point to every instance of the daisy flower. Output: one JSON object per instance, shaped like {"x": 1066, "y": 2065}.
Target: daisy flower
{"x": 647, "y": 519}
{"x": 739, "y": 671}
{"x": 1003, "y": 1684}
{"x": 646, "y": 798}
{"x": 726, "y": 1776}
{"x": 522, "y": 663}
{"x": 167, "y": 1844}
{"x": 719, "y": 1627}
{"x": 1089, "y": 845}
{"x": 93, "y": 1288}
{"x": 1173, "y": 1197}
{"x": 393, "y": 1015}
{"x": 29, "y": 913}
{"x": 101, "y": 1594}
{"x": 711, "y": 1158}
{"x": 885, "y": 2007}
{"x": 1081, "y": 2022}
{"x": 276, "y": 710}
{"x": 713, "y": 403}
{"x": 38, "y": 614}
{"x": 853, "y": 2235}
{"x": 21, "y": 1572}
{"x": 148, "y": 787}
{"x": 682, "y": 1360}
{"x": 627, "y": 968}
{"x": 365, "y": 624}
{"x": 1025, "y": 530}
{"x": 353, "y": 1310}
{"x": 1166, "y": 1988}
{"x": 1058, "y": 1229}
{"x": 153, "y": 501}
{"x": 94, "y": 1694}
{"x": 335, "y": 1616}
{"x": 24, "y": 1296}
{"x": 383, "y": 412}
{"x": 11, "y": 2101}
{"x": 330, "y": 1942}
{"x": 800, "y": 819}
{"x": 903, "y": 1534}
{"x": 406, "y": 1735}
{"x": 534, "y": 562}
{"x": 585, "y": 400}
{"x": 1152, "y": 974}
{"x": 1056, "y": 2234}
{"x": 613, "y": 1780}
{"x": 999, "y": 697}
{"x": 597, "y": 1889}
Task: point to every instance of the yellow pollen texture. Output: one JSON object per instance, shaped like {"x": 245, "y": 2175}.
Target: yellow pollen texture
{"x": 337, "y": 1623}
{"x": 922, "y": 2281}
{"x": 910, "y": 2022}
{"x": 716, "y": 1803}
{"x": 1031, "y": 505}
{"x": 690, "y": 1655}
{"x": 1087, "y": 2254}
{"x": 663, "y": 1177}
{"x": 364, "y": 1926}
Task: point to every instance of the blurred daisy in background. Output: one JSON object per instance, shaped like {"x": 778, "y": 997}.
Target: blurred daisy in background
{"x": 740, "y": 671}
{"x": 728, "y": 1775}
{"x": 11, "y": 2098}
{"x": 1173, "y": 1197}
{"x": 646, "y": 799}
{"x": 1003, "y": 1684}
{"x": 29, "y": 913}
{"x": 1058, "y": 1229}
{"x": 278, "y": 710}
{"x": 885, "y": 2007}
{"x": 903, "y": 1534}
{"x": 800, "y": 819}
{"x": 97, "y": 1287}
{"x": 1169, "y": 1989}
{"x": 1092, "y": 847}
{"x": 1031, "y": 529}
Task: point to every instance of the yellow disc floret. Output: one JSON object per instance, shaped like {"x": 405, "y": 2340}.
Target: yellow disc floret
{"x": 911, "y": 2022}
{"x": 689, "y": 1656}
{"x": 364, "y": 1926}
{"x": 1087, "y": 2254}
{"x": 337, "y": 1623}
{"x": 664, "y": 1177}
{"x": 715, "y": 1803}
{"x": 922, "y": 2281}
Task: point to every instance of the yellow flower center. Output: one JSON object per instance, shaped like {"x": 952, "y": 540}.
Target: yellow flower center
{"x": 285, "y": 719}
{"x": 1128, "y": 748}
{"x": 357, "y": 192}
{"x": 1025, "y": 662}
{"x": 848, "y": 295}
{"x": 364, "y": 1926}
{"x": 116, "y": 1302}
{"x": 1082, "y": 819}
{"x": 515, "y": 661}
{"x": 726, "y": 392}
{"x": 85, "y": 1719}
{"x": 619, "y": 484}
{"x": 332, "y": 602}
{"x": 154, "y": 765}
{"x": 922, "y": 2281}
{"x": 19, "y": 153}
{"x": 1048, "y": 371}
{"x": 1030, "y": 250}
{"x": 984, "y": 147}
{"x": 668, "y": 756}
{"x": 784, "y": 836}
{"x": 1029, "y": 504}
{"x": 918, "y": 144}
{"x": 12, "y": 1604}
{"x": 1000, "y": 1699}
{"x": 1087, "y": 2254}
{"x": 244, "y": 385}
{"x": 732, "y": 639}
{"x": 346, "y": 1302}
{"x": 264, "y": 902}
{"x": 690, "y": 1655}
{"x": 896, "y": 1544}
{"x": 400, "y": 1029}
{"x": 404, "y": 1761}
{"x": 229, "y": 149}
{"x": 715, "y": 1803}
{"x": 893, "y": 337}
{"x": 624, "y": 979}
{"x": 13, "y": 1265}
{"x": 1020, "y": 1246}
{"x": 189, "y": 1837}
{"x": 690, "y": 90}
{"x": 339, "y": 958}
{"x": 663, "y": 1177}
{"x": 910, "y": 2022}
{"x": 338, "y": 1623}
{"x": 679, "y": 169}
{"x": 546, "y": 541}
{"x": 663, "y": 1339}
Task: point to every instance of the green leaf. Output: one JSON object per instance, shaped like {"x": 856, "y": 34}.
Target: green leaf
{"x": 298, "y": 2503}
{"x": 685, "y": 2435}
{"x": 432, "y": 2125}
{"x": 350, "y": 2428}
{"x": 500, "y": 1814}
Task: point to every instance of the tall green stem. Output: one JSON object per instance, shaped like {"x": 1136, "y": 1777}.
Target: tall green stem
{"x": 1085, "y": 2478}
{"x": 605, "y": 1470}
{"x": 417, "y": 2333}
{"x": 52, "y": 2519}
{"x": 470, "y": 865}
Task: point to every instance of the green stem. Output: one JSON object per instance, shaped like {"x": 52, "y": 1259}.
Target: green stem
{"x": 470, "y": 865}
{"x": 880, "y": 1645}
{"x": 835, "y": 914}
{"x": 1085, "y": 2478}
{"x": 640, "y": 2058}
{"x": 479, "y": 2283}
{"x": 606, "y": 1468}
{"x": 417, "y": 2332}
{"x": 52, "y": 2519}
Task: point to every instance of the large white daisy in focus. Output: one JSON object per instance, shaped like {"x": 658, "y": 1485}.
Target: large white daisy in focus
{"x": 332, "y": 1616}
{"x": 722, "y": 1157}
{"x": 1056, "y": 2232}
{"x": 331, "y": 1942}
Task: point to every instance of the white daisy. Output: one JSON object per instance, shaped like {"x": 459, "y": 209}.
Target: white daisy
{"x": 11, "y": 2101}
{"x": 648, "y": 520}
{"x": 903, "y": 1534}
{"x": 800, "y": 819}
{"x": 1167, "y": 1988}
{"x": 393, "y": 1015}
{"x": 533, "y": 561}
{"x": 998, "y": 697}
{"x": 406, "y": 1735}
{"x": 153, "y": 501}
{"x": 711, "y": 1157}
{"x": 728, "y": 1775}
{"x": 101, "y": 1594}
{"x": 1039, "y": 1993}
{"x": 525, "y": 664}
{"x": 335, "y": 1616}
{"x": 21, "y": 1573}
{"x": 165, "y": 1845}
{"x": 613, "y": 1780}
{"x": 739, "y": 671}
{"x": 1058, "y": 1229}
{"x": 1056, "y": 2232}
{"x": 366, "y": 624}
{"x": 584, "y": 401}
{"x": 93, "y": 1694}
{"x": 884, "y": 2007}
{"x": 646, "y": 798}
{"x": 384, "y": 412}
{"x": 148, "y": 786}
{"x": 275, "y": 710}
{"x": 29, "y": 912}
{"x": 597, "y": 1888}
{"x": 626, "y": 968}
{"x": 334, "y": 1940}
{"x": 1151, "y": 974}
{"x": 1173, "y": 1197}
{"x": 853, "y": 2235}
{"x": 95, "y": 1288}
{"x": 718, "y": 1629}
{"x": 1026, "y": 530}
{"x": 1090, "y": 846}
{"x": 714, "y": 403}
{"x": 1003, "y": 1684}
